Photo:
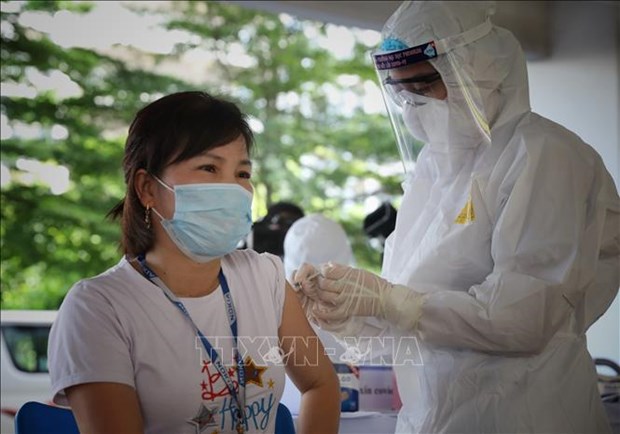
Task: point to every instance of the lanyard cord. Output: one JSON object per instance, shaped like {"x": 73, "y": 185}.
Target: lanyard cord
{"x": 213, "y": 355}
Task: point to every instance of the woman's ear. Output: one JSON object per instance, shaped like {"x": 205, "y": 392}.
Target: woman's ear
{"x": 145, "y": 187}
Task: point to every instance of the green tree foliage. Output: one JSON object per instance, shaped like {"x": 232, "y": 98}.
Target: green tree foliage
{"x": 48, "y": 240}
{"x": 308, "y": 152}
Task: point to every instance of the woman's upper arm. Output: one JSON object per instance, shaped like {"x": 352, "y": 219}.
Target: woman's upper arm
{"x": 306, "y": 363}
{"x": 105, "y": 408}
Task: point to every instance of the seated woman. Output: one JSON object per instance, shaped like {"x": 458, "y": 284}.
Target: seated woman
{"x": 186, "y": 334}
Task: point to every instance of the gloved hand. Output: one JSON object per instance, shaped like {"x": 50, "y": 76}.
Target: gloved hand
{"x": 340, "y": 293}
{"x": 305, "y": 280}
{"x": 305, "y": 283}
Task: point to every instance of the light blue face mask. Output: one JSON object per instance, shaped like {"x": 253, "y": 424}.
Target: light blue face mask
{"x": 209, "y": 219}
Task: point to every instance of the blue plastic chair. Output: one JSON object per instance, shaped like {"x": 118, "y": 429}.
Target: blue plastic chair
{"x": 38, "y": 418}
{"x": 284, "y": 420}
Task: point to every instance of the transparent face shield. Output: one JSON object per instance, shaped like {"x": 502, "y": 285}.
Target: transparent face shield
{"x": 431, "y": 95}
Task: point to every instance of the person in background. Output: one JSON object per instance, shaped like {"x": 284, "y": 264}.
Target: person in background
{"x": 315, "y": 239}
{"x": 284, "y": 212}
{"x": 379, "y": 224}
{"x": 507, "y": 241}
{"x": 174, "y": 338}
{"x": 268, "y": 233}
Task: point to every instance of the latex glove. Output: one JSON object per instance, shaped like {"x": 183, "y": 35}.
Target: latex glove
{"x": 306, "y": 284}
{"x": 345, "y": 292}
{"x": 305, "y": 281}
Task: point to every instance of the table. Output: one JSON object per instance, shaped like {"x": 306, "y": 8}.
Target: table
{"x": 365, "y": 422}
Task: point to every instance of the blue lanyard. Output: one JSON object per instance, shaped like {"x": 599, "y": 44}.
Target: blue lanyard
{"x": 213, "y": 355}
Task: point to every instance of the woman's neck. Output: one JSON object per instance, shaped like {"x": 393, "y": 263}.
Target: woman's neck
{"x": 184, "y": 277}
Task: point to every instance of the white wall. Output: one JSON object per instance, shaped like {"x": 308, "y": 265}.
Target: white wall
{"x": 578, "y": 86}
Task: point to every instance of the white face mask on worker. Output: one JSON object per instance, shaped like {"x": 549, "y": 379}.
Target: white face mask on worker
{"x": 427, "y": 120}
{"x": 443, "y": 124}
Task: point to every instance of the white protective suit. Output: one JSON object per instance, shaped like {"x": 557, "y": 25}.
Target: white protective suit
{"x": 511, "y": 245}
{"x": 315, "y": 239}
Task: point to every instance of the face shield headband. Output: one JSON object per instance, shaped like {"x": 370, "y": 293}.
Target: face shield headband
{"x": 402, "y": 94}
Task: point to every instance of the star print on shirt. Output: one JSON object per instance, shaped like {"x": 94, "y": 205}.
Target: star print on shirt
{"x": 270, "y": 383}
{"x": 204, "y": 418}
{"x": 253, "y": 372}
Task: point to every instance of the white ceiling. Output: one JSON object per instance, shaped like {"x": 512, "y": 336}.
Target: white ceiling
{"x": 363, "y": 14}
{"x": 528, "y": 20}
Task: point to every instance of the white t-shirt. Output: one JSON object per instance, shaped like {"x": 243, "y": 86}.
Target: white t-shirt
{"x": 119, "y": 327}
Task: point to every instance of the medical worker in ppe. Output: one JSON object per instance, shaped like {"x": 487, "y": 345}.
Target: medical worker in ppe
{"x": 507, "y": 243}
